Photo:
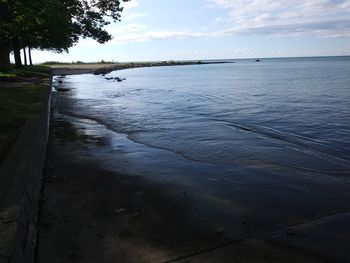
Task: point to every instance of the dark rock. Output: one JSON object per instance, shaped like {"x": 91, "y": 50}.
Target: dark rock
{"x": 62, "y": 89}
{"x": 136, "y": 214}
{"x": 119, "y": 79}
{"x": 120, "y": 210}
{"x": 220, "y": 232}
{"x": 291, "y": 232}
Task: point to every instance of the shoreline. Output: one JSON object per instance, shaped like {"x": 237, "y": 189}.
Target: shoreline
{"x": 107, "y": 197}
{"x": 101, "y": 69}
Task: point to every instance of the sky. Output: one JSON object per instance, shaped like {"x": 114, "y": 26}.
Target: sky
{"x": 154, "y": 30}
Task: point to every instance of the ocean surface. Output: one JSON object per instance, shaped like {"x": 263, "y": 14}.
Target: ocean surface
{"x": 214, "y": 122}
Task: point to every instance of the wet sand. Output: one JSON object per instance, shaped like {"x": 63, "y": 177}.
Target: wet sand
{"x": 106, "y": 201}
{"x": 78, "y": 69}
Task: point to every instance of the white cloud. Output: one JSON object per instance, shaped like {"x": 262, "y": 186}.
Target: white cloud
{"x": 322, "y": 29}
{"x": 155, "y": 35}
{"x": 126, "y": 29}
{"x": 133, "y": 16}
{"x": 320, "y": 18}
{"x": 130, "y": 4}
{"x": 88, "y": 42}
{"x": 269, "y": 17}
{"x": 329, "y": 29}
{"x": 217, "y": 20}
{"x": 193, "y": 54}
{"x": 121, "y": 33}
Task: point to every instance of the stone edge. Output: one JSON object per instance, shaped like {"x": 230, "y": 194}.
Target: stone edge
{"x": 24, "y": 167}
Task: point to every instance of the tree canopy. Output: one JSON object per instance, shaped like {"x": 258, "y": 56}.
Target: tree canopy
{"x": 53, "y": 24}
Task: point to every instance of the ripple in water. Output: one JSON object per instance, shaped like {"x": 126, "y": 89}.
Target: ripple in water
{"x": 291, "y": 113}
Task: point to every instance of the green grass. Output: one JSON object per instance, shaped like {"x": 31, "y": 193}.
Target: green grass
{"x": 25, "y": 72}
{"x": 34, "y": 71}
{"x": 7, "y": 75}
{"x": 18, "y": 101}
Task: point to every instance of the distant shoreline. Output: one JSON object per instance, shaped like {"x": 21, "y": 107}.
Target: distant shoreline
{"x": 101, "y": 69}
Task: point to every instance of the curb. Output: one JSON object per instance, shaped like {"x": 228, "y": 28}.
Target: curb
{"x": 21, "y": 178}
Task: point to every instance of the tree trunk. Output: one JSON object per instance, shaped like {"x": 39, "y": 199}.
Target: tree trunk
{"x": 30, "y": 56}
{"x": 4, "y": 43}
{"x": 4, "y": 58}
{"x": 17, "y": 52}
{"x": 25, "y": 56}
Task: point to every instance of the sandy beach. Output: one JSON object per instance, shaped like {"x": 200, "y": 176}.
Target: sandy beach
{"x": 101, "y": 69}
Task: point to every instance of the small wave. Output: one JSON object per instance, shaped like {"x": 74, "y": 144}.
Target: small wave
{"x": 308, "y": 145}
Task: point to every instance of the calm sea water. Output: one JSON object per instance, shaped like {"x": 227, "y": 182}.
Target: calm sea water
{"x": 280, "y": 113}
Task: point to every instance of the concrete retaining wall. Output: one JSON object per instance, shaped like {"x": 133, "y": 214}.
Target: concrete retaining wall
{"x": 21, "y": 177}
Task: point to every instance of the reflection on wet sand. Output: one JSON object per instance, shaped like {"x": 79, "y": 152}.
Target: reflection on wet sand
{"x": 109, "y": 198}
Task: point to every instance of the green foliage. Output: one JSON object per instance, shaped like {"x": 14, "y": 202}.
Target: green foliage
{"x": 49, "y": 63}
{"x": 106, "y": 62}
{"x": 55, "y": 25}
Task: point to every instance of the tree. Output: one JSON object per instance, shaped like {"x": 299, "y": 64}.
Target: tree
{"x": 53, "y": 24}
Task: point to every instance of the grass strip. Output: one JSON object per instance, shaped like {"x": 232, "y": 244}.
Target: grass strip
{"x": 19, "y": 100}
